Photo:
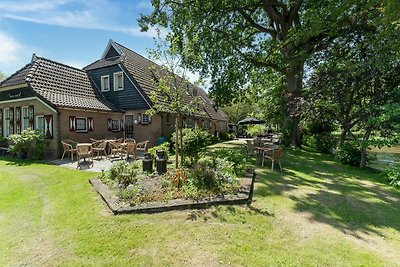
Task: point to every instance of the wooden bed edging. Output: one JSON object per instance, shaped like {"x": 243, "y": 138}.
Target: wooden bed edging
{"x": 245, "y": 196}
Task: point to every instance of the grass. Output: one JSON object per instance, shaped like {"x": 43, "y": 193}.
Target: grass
{"x": 316, "y": 212}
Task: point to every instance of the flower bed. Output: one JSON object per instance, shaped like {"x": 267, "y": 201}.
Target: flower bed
{"x": 213, "y": 179}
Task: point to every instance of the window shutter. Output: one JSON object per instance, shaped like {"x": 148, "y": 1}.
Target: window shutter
{"x": 109, "y": 125}
{"x": 1, "y": 122}
{"x": 121, "y": 125}
{"x": 31, "y": 116}
{"x": 72, "y": 125}
{"x": 90, "y": 124}
{"x": 48, "y": 126}
{"x": 11, "y": 120}
{"x": 18, "y": 119}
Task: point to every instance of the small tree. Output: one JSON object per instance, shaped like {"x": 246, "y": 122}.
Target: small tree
{"x": 172, "y": 91}
{"x": 2, "y": 76}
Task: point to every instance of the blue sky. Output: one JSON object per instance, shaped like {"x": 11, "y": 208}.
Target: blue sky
{"x": 73, "y": 32}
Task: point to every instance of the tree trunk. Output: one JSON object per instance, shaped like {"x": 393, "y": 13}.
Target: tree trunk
{"x": 343, "y": 135}
{"x": 180, "y": 140}
{"x": 364, "y": 148}
{"x": 176, "y": 142}
{"x": 294, "y": 79}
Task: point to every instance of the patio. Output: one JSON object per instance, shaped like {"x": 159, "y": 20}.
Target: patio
{"x": 99, "y": 164}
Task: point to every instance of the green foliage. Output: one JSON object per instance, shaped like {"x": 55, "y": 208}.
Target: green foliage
{"x": 2, "y": 76}
{"x": 223, "y": 136}
{"x": 350, "y": 154}
{"x": 214, "y": 174}
{"x": 194, "y": 142}
{"x": 322, "y": 142}
{"x": 123, "y": 173}
{"x": 256, "y": 130}
{"x": 30, "y": 143}
{"x": 234, "y": 156}
{"x": 320, "y": 127}
{"x": 393, "y": 175}
{"x": 164, "y": 146}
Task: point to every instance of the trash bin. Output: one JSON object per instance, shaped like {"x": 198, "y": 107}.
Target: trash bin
{"x": 147, "y": 163}
{"x": 161, "y": 162}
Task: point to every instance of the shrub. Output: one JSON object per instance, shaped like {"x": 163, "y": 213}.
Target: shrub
{"x": 393, "y": 175}
{"x": 164, "y": 146}
{"x": 194, "y": 142}
{"x": 123, "y": 173}
{"x": 350, "y": 154}
{"x": 320, "y": 127}
{"x": 214, "y": 174}
{"x": 223, "y": 136}
{"x": 234, "y": 156}
{"x": 30, "y": 143}
{"x": 322, "y": 142}
{"x": 256, "y": 130}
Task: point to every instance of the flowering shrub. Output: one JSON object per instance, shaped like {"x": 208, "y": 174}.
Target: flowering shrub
{"x": 30, "y": 143}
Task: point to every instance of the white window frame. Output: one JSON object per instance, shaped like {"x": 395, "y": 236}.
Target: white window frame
{"x": 103, "y": 84}
{"x": 116, "y": 81}
{"x": 37, "y": 123}
{"x": 76, "y": 125}
{"x": 118, "y": 124}
{"x": 23, "y": 126}
{"x": 6, "y": 123}
{"x": 145, "y": 119}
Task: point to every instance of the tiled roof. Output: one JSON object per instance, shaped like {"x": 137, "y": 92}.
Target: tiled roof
{"x": 103, "y": 63}
{"x": 142, "y": 68}
{"x": 60, "y": 85}
{"x": 17, "y": 78}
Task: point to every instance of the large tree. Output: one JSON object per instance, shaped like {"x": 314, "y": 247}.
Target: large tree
{"x": 356, "y": 82}
{"x": 234, "y": 42}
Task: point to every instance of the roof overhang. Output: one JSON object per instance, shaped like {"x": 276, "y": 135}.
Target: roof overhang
{"x": 11, "y": 87}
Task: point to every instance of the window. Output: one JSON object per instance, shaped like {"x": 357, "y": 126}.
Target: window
{"x": 115, "y": 126}
{"x": 105, "y": 83}
{"x": 40, "y": 123}
{"x": 25, "y": 118}
{"x": 81, "y": 124}
{"x": 145, "y": 118}
{"x": 189, "y": 123}
{"x": 6, "y": 122}
{"x": 118, "y": 81}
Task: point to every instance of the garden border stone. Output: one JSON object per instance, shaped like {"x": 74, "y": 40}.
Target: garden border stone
{"x": 244, "y": 196}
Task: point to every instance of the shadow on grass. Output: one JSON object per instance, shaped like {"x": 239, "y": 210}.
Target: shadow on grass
{"x": 225, "y": 213}
{"x": 350, "y": 199}
{"x": 20, "y": 162}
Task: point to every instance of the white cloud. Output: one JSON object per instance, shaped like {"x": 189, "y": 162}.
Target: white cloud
{"x": 86, "y": 14}
{"x": 9, "y": 50}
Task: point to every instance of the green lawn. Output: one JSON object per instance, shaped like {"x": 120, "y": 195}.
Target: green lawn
{"x": 316, "y": 213}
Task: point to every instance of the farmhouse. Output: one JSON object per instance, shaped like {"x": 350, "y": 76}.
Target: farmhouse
{"x": 107, "y": 98}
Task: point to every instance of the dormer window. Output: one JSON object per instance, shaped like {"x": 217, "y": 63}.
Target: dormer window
{"x": 118, "y": 81}
{"x": 105, "y": 83}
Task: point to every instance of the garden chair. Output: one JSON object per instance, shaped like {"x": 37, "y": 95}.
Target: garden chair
{"x": 142, "y": 146}
{"x": 250, "y": 148}
{"x": 85, "y": 152}
{"x": 116, "y": 149}
{"x": 274, "y": 155}
{"x": 130, "y": 149}
{"x": 99, "y": 148}
{"x": 68, "y": 148}
{"x": 130, "y": 140}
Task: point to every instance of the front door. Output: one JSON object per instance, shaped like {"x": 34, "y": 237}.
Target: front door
{"x": 128, "y": 126}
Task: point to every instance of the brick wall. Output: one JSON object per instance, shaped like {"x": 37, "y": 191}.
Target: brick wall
{"x": 40, "y": 109}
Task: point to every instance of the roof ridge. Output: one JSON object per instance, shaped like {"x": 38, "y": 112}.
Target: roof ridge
{"x": 59, "y": 63}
